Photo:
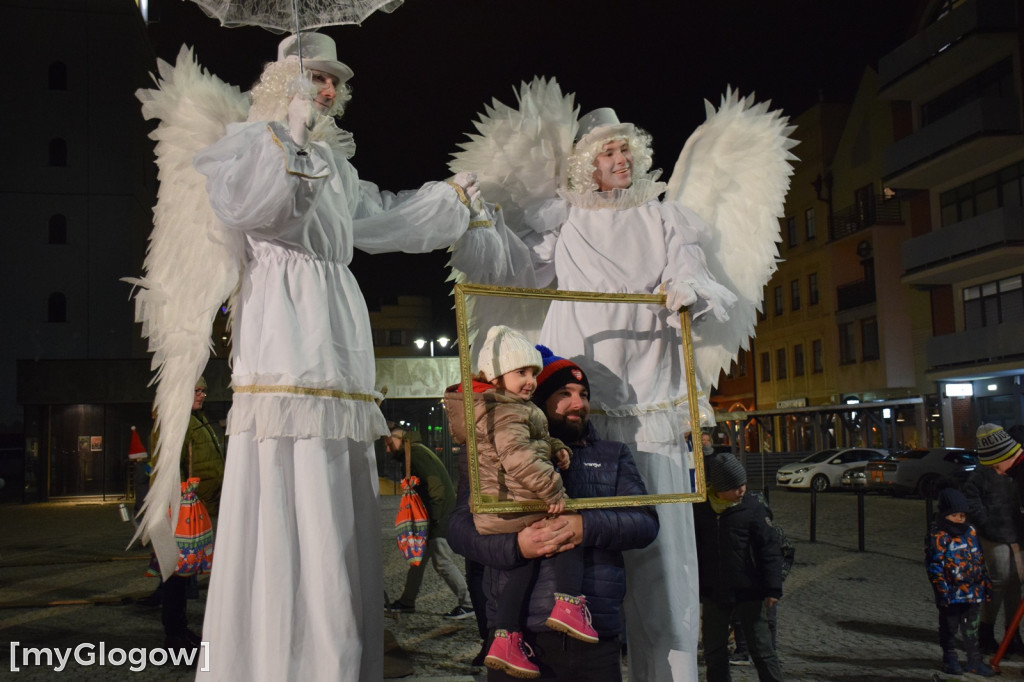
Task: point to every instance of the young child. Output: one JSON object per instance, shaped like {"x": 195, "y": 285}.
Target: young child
{"x": 956, "y": 568}
{"x": 515, "y": 456}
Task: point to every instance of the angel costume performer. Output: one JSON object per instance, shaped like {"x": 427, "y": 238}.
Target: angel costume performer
{"x": 588, "y": 218}
{"x": 297, "y": 588}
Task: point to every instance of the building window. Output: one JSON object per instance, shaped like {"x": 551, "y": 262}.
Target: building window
{"x": 809, "y": 222}
{"x": 57, "y": 308}
{"x": 58, "y": 152}
{"x": 780, "y": 363}
{"x": 847, "y": 344}
{"x": 981, "y": 195}
{"x": 791, "y": 231}
{"x": 812, "y": 289}
{"x": 869, "y": 338}
{"x": 794, "y": 295}
{"x": 766, "y": 368}
{"x": 778, "y": 301}
{"x": 798, "y": 360}
{"x": 738, "y": 367}
{"x": 58, "y": 229}
{"x": 993, "y": 303}
{"x": 817, "y": 357}
{"x": 58, "y": 76}
{"x": 395, "y": 337}
{"x": 995, "y": 81}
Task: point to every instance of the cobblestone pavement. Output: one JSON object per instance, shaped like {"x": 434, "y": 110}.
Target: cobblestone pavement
{"x": 846, "y": 616}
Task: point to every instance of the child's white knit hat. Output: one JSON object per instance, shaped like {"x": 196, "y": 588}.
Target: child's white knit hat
{"x": 504, "y": 350}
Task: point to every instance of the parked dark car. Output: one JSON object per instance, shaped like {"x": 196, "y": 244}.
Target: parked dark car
{"x": 918, "y": 470}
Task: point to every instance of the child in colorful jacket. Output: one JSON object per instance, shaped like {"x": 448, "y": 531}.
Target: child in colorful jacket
{"x": 956, "y": 568}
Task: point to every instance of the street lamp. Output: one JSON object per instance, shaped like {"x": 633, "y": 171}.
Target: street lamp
{"x": 441, "y": 341}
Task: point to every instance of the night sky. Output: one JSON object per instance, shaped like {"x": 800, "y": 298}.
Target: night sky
{"x": 423, "y": 73}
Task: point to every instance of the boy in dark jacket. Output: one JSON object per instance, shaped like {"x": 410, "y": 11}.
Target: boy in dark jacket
{"x": 956, "y": 568}
{"x": 995, "y": 513}
{"x": 740, "y": 567}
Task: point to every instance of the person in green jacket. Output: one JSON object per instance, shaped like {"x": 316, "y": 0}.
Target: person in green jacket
{"x": 438, "y": 494}
{"x": 207, "y": 464}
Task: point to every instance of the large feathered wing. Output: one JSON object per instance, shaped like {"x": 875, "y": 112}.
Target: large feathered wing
{"x": 734, "y": 173}
{"x": 519, "y": 157}
{"x": 519, "y": 154}
{"x": 192, "y": 267}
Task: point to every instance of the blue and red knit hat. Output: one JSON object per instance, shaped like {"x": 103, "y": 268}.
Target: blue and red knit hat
{"x": 556, "y": 373}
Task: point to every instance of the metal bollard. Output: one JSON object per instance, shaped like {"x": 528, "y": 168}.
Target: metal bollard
{"x": 814, "y": 515}
{"x": 860, "y": 520}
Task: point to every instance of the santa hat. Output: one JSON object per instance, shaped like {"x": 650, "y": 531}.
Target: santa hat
{"x": 135, "y": 448}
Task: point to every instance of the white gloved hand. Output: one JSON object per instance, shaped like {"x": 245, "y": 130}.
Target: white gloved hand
{"x": 467, "y": 181}
{"x": 300, "y": 118}
{"x": 679, "y": 294}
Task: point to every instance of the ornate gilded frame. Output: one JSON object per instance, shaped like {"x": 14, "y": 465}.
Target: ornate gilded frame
{"x": 476, "y": 502}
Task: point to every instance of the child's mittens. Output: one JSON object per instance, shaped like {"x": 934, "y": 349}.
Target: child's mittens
{"x": 562, "y": 458}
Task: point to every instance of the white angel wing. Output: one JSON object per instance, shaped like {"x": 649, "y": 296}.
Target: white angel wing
{"x": 192, "y": 267}
{"x": 734, "y": 173}
{"x": 519, "y": 154}
{"x": 519, "y": 157}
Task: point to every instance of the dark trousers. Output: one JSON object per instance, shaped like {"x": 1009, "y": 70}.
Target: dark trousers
{"x": 561, "y": 657}
{"x": 962, "y": 618}
{"x": 771, "y": 615}
{"x": 716, "y": 620}
{"x": 514, "y": 596}
{"x": 172, "y": 612}
{"x": 475, "y": 583}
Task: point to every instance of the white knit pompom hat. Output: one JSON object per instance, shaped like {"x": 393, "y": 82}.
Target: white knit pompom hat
{"x": 505, "y": 350}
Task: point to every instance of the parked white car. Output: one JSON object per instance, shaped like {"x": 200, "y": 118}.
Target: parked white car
{"x": 824, "y": 469}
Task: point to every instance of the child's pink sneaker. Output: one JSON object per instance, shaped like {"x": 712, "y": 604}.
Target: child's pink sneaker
{"x": 571, "y": 616}
{"x": 510, "y": 653}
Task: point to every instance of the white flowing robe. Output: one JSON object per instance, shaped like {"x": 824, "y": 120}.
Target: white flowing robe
{"x": 297, "y": 588}
{"x": 625, "y": 242}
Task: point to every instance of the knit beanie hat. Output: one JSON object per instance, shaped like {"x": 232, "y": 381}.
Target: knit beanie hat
{"x": 505, "y": 350}
{"x": 725, "y": 472}
{"x": 995, "y": 445}
{"x": 557, "y": 373}
{"x": 952, "y": 501}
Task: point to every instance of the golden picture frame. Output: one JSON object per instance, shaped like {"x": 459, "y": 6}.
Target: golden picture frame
{"x": 476, "y": 501}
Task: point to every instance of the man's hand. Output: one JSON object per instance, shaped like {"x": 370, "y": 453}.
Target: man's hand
{"x": 550, "y": 536}
{"x": 770, "y": 602}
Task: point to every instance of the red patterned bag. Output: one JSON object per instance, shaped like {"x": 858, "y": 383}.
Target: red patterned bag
{"x": 412, "y": 521}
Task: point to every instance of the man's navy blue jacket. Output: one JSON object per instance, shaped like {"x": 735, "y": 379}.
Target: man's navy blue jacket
{"x": 598, "y": 468}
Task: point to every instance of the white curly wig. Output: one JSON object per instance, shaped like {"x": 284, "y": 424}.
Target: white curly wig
{"x": 276, "y": 87}
{"x": 581, "y": 162}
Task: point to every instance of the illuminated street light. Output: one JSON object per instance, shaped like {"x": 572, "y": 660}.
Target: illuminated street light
{"x": 441, "y": 341}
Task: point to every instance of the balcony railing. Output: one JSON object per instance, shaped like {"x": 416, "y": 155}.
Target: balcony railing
{"x": 853, "y": 219}
{"x": 855, "y": 294}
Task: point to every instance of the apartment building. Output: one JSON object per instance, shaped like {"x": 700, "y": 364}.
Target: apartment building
{"x": 959, "y": 158}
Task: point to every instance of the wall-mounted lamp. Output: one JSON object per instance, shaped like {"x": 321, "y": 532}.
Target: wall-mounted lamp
{"x": 823, "y": 186}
